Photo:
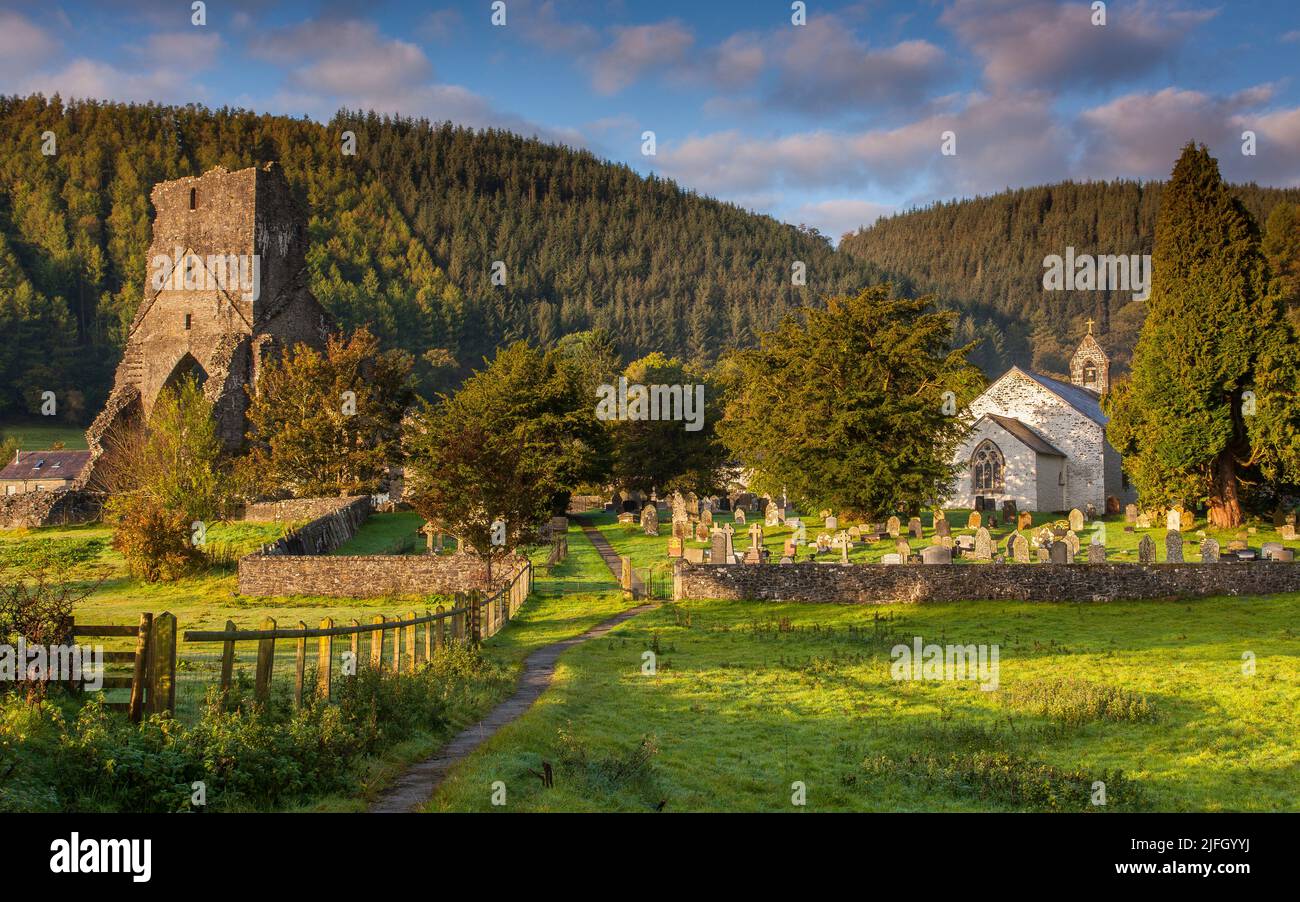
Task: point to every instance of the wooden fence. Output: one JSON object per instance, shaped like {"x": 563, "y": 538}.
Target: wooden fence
{"x": 398, "y": 643}
{"x": 559, "y": 551}
{"x": 153, "y": 675}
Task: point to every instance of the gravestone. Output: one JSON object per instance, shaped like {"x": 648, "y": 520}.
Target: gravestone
{"x": 1269, "y": 550}
{"x": 675, "y": 546}
{"x": 756, "y": 535}
{"x": 1287, "y": 532}
{"x": 1143, "y": 521}
{"x": 890, "y": 559}
{"x": 914, "y": 527}
{"x": 983, "y": 545}
{"x": 1130, "y": 513}
{"x": 855, "y": 532}
{"x": 617, "y": 502}
{"x": 650, "y": 520}
{"x": 1173, "y": 546}
{"x": 1187, "y": 521}
{"x": 1173, "y": 520}
{"x": 903, "y": 549}
{"x": 692, "y": 504}
{"x": 706, "y": 516}
{"x": 693, "y": 555}
{"x": 740, "y": 516}
{"x": 1147, "y": 550}
{"x": 1024, "y": 520}
{"x": 974, "y": 520}
{"x": 946, "y": 541}
{"x": 936, "y": 554}
{"x": 627, "y": 518}
{"x": 701, "y": 532}
{"x": 1096, "y": 553}
{"x": 1020, "y": 549}
{"x": 941, "y": 528}
{"x": 681, "y": 527}
{"x": 771, "y": 517}
{"x": 832, "y": 522}
{"x": 720, "y": 548}
{"x": 1091, "y": 510}
{"x": 790, "y": 548}
{"x": 1076, "y": 520}
{"x": 1009, "y": 509}
{"x": 1072, "y": 542}
{"x": 1209, "y": 551}
{"x": 893, "y": 527}
{"x": 1059, "y": 553}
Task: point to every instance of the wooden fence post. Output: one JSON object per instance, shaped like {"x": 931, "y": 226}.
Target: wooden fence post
{"x": 325, "y": 661}
{"x": 140, "y": 674}
{"x": 377, "y": 644}
{"x": 438, "y": 635}
{"x": 428, "y": 638}
{"x": 265, "y": 663}
{"x": 475, "y": 618}
{"x": 411, "y": 647}
{"x": 162, "y": 670}
{"x": 300, "y": 666}
{"x": 356, "y": 648}
{"x": 397, "y": 646}
{"x": 227, "y": 661}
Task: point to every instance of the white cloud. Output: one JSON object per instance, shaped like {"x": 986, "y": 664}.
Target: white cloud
{"x": 24, "y": 45}
{"x": 839, "y": 217}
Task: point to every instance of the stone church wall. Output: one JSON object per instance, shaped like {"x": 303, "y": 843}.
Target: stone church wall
{"x": 1019, "y": 486}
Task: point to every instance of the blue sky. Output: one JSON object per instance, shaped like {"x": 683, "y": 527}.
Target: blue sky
{"x": 830, "y": 123}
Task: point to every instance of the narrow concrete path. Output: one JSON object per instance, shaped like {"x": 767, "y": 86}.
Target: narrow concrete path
{"x": 417, "y": 784}
{"x": 610, "y": 557}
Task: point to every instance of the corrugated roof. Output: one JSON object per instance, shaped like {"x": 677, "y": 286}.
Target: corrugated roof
{"x": 1026, "y": 435}
{"x": 1080, "y": 399}
{"x": 46, "y": 465}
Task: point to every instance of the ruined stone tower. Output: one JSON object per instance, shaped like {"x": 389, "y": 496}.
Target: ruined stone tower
{"x": 226, "y": 286}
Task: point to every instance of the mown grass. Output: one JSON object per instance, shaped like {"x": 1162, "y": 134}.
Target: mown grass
{"x": 748, "y": 698}
{"x": 35, "y": 435}
{"x": 397, "y": 532}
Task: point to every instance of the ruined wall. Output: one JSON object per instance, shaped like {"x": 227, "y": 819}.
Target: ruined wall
{"x": 368, "y": 576}
{"x": 329, "y": 531}
{"x": 880, "y": 583}
{"x": 34, "y": 509}
{"x": 292, "y": 509}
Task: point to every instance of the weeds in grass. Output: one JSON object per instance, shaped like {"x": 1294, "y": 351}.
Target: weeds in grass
{"x": 628, "y": 769}
{"x": 1074, "y": 702}
{"x": 1005, "y": 778}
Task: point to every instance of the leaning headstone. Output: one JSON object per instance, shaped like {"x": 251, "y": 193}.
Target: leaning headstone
{"x": 1059, "y": 553}
{"x": 1024, "y": 520}
{"x": 771, "y": 516}
{"x": 1096, "y": 553}
{"x": 1146, "y": 550}
{"x": 1209, "y": 551}
{"x": 941, "y": 528}
{"x": 650, "y": 520}
{"x": 1173, "y": 546}
{"x": 974, "y": 520}
{"x": 1076, "y": 520}
{"x": 893, "y": 526}
{"x": 914, "y": 527}
{"x": 936, "y": 554}
{"x": 1020, "y": 549}
{"x": 983, "y": 545}
{"x": 1130, "y": 513}
{"x": 740, "y": 516}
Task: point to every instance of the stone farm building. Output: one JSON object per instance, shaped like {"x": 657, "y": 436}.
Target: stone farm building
{"x": 42, "y": 471}
{"x": 1041, "y": 442}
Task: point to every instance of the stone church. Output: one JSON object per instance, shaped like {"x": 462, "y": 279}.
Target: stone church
{"x": 1041, "y": 442}
{"x": 227, "y": 287}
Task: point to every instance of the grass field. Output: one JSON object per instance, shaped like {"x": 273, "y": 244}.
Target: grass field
{"x": 39, "y": 436}
{"x": 748, "y": 698}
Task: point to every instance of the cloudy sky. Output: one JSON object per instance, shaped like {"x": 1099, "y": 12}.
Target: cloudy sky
{"x": 831, "y": 123}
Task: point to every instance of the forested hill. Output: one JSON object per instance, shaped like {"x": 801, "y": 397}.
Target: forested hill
{"x": 985, "y": 256}
{"x": 404, "y": 235}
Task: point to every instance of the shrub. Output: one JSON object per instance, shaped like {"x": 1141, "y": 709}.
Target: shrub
{"x": 155, "y": 541}
{"x": 1074, "y": 702}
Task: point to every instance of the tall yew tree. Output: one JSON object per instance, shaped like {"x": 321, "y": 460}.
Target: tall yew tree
{"x": 846, "y": 407}
{"x": 1210, "y": 406}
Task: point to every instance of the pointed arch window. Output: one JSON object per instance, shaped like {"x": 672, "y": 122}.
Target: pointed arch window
{"x": 987, "y": 466}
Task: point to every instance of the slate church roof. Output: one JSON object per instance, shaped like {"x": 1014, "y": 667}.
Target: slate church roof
{"x": 1082, "y": 400}
{"x": 1027, "y": 436}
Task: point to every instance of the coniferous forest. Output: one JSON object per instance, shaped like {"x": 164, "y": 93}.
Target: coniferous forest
{"x": 404, "y": 235}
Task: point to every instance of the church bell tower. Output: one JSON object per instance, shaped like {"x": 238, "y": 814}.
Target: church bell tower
{"x": 1090, "y": 367}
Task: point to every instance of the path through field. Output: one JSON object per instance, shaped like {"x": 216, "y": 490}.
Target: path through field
{"x": 417, "y": 784}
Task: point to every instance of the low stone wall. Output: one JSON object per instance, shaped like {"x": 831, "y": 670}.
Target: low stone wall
{"x": 880, "y": 583}
{"x": 296, "y": 509}
{"x": 327, "y": 532}
{"x": 368, "y": 576}
{"x": 34, "y": 509}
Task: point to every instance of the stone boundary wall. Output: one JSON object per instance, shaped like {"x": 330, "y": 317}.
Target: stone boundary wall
{"x": 910, "y": 583}
{"x": 295, "y": 509}
{"x": 368, "y": 576}
{"x": 327, "y": 532}
{"x": 30, "y": 510}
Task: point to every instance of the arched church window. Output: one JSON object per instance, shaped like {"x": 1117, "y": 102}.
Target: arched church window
{"x": 986, "y": 468}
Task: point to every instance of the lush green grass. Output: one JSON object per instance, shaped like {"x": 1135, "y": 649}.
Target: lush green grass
{"x": 1121, "y": 544}
{"x": 35, "y": 435}
{"x": 388, "y": 533}
{"x": 752, "y": 697}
